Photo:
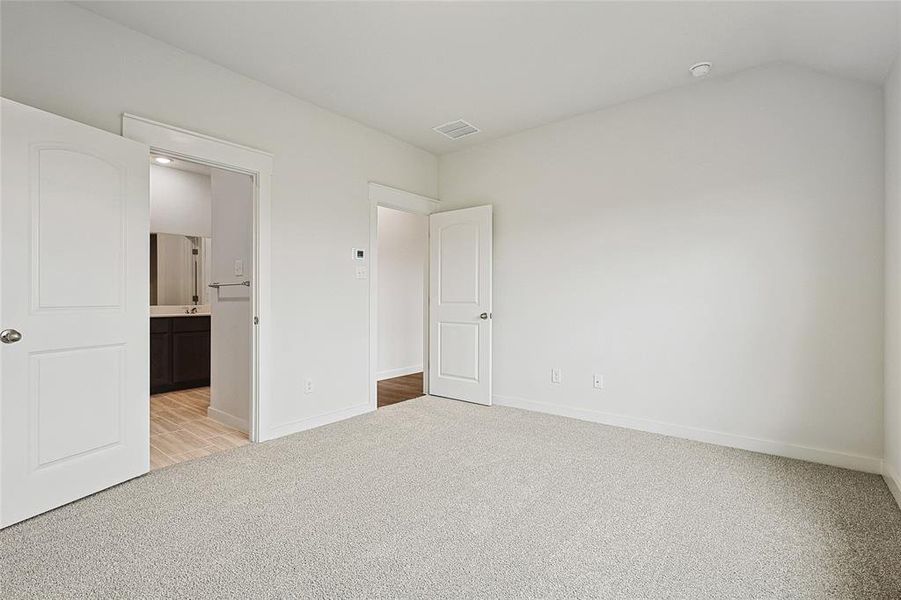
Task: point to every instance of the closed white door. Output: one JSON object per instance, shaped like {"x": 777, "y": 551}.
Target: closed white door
{"x": 460, "y": 304}
{"x": 74, "y": 310}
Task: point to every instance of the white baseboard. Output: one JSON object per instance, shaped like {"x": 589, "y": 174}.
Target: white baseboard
{"x": 228, "y": 419}
{"x": 893, "y": 481}
{"x": 869, "y": 464}
{"x": 316, "y": 421}
{"x": 390, "y": 373}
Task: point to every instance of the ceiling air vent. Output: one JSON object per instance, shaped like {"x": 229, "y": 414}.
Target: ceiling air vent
{"x": 457, "y": 129}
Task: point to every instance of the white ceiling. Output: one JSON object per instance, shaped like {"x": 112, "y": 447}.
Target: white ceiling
{"x": 405, "y": 67}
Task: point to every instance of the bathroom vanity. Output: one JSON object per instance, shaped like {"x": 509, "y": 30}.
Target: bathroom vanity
{"x": 179, "y": 352}
{"x": 179, "y": 312}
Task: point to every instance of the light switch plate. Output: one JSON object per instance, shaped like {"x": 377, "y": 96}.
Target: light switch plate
{"x": 556, "y": 375}
{"x": 362, "y": 273}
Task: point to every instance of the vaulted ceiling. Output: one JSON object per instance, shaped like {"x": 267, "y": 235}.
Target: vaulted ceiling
{"x": 405, "y": 67}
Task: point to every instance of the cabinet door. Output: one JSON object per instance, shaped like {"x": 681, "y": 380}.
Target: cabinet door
{"x": 160, "y": 361}
{"x": 191, "y": 357}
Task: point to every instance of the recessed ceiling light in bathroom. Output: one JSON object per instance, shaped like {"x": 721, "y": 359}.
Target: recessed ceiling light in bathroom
{"x": 701, "y": 69}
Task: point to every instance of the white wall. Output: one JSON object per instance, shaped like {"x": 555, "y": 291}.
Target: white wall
{"x": 179, "y": 202}
{"x": 403, "y": 240}
{"x": 179, "y": 205}
{"x": 67, "y": 60}
{"x": 230, "y": 349}
{"x": 892, "y": 467}
{"x": 714, "y": 251}
{"x": 730, "y": 233}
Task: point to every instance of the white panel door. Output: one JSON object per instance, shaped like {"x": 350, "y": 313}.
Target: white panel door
{"x": 74, "y": 310}
{"x": 460, "y": 304}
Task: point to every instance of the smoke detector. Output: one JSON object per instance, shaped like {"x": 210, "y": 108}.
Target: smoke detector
{"x": 701, "y": 69}
{"x": 457, "y": 129}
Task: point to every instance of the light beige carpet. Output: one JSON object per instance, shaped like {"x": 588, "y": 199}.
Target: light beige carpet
{"x": 432, "y": 498}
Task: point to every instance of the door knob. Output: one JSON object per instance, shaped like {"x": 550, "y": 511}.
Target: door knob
{"x": 10, "y": 336}
{"x": 483, "y": 316}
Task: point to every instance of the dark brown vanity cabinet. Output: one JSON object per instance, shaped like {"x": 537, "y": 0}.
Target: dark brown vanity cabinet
{"x": 179, "y": 353}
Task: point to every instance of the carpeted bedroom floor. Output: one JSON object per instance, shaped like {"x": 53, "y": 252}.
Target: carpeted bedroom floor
{"x": 432, "y": 498}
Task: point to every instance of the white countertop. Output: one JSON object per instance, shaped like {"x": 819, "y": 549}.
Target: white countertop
{"x": 203, "y": 310}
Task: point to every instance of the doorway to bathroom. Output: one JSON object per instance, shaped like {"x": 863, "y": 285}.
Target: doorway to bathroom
{"x": 201, "y": 261}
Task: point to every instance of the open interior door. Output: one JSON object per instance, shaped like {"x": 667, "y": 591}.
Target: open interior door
{"x": 460, "y": 304}
{"x": 74, "y": 311}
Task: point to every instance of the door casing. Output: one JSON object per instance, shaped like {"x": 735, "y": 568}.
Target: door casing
{"x": 221, "y": 154}
{"x": 388, "y": 197}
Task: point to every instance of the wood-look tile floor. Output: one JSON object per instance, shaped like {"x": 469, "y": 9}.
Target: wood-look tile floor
{"x": 180, "y": 429}
{"x": 398, "y": 389}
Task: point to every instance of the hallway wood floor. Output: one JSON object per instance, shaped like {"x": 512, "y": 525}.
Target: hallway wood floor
{"x": 397, "y": 389}
{"x": 180, "y": 429}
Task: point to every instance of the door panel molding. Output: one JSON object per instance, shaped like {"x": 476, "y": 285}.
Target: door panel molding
{"x": 41, "y": 177}
{"x": 58, "y": 412}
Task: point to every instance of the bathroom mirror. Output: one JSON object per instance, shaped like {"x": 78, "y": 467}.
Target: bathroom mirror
{"x": 179, "y": 268}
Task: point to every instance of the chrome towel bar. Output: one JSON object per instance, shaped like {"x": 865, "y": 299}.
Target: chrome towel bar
{"x": 218, "y": 285}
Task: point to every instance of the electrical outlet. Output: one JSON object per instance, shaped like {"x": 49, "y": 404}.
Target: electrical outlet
{"x": 556, "y": 375}
{"x": 598, "y": 382}
{"x": 361, "y": 273}
{"x": 239, "y": 267}
{"x": 308, "y": 386}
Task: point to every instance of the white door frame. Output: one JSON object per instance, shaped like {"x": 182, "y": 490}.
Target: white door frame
{"x": 203, "y": 149}
{"x": 389, "y": 197}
